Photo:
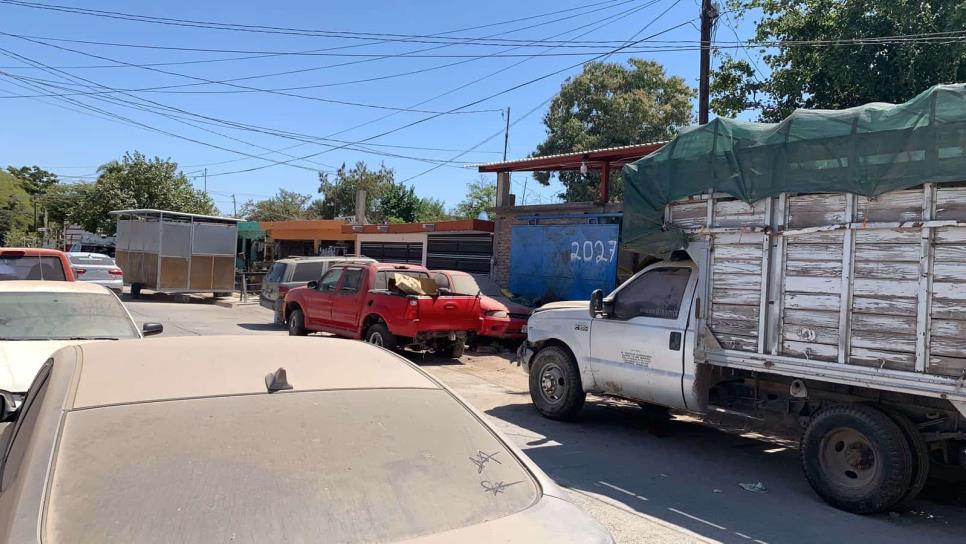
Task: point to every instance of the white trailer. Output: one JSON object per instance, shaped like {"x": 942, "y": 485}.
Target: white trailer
{"x": 836, "y": 318}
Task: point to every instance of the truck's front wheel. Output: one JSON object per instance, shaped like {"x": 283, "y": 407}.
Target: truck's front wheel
{"x": 555, "y": 386}
{"x": 857, "y": 458}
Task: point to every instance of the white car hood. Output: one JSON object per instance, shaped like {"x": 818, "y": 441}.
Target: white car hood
{"x": 21, "y": 359}
{"x": 565, "y": 305}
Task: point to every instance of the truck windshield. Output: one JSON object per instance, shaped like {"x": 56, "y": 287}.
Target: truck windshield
{"x": 63, "y": 316}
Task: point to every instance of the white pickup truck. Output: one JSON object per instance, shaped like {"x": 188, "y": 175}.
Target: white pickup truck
{"x": 835, "y": 318}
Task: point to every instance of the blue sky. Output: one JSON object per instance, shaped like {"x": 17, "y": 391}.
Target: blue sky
{"x": 41, "y": 131}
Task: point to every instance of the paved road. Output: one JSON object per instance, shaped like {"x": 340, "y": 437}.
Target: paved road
{"x": 682, "y": 487}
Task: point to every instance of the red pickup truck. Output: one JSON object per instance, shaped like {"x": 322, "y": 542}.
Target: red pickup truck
{"x": 359, "y": 300}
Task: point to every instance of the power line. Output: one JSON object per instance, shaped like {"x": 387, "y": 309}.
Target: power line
{"x": 470, "y": 104}
{"x": 303, "y": 70}
{"x": 434, "y": 161}
{"x": 545, "y": 102}
{"x": 263, "y": 29}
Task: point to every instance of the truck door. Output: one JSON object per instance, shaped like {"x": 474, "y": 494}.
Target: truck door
{"x": 318, "y": 311}
{"x": 637, "y": 352}
{"x": 345, "y": 302}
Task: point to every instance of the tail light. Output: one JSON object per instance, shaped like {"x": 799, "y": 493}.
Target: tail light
{"x": 412, "y": 309}
{"x": 79, "y": 271}
{"x": 116, "y": 272}
{"x": 283, "y": 289}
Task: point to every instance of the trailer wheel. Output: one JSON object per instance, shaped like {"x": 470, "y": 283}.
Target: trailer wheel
{"x": 555, "y": 386}
{"x": 379, "y": 335}
{"x": 296, "y": 323}
{"x": 135, "y": 290}
{"x": 857, "y": 458}
{"x": 920, "y": 453}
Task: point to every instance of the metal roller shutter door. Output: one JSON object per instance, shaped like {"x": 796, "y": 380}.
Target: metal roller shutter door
{"x": 394, "y": 252}
{"x": 466, "y": 252}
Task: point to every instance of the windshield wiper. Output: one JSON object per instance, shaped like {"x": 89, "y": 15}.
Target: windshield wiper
{"x": 87, "y": 338}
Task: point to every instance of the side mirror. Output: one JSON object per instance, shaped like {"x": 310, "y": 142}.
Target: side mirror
{"x": 313, "y": 284}
{"x": 150, "y": 329}
{"x": 596, "y": 303}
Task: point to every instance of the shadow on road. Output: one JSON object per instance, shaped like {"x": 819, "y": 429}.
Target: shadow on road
{"x": 690, "y": 478}
{"x": 261, "y": 327}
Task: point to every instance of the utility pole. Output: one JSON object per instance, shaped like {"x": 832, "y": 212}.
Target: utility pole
{"x": 234, "y": 207}
{"x": 525, "y": 180}
{"x": 506, "y": 134}
{"x": 206, "y": 181}
{"x": 709, "y": 13}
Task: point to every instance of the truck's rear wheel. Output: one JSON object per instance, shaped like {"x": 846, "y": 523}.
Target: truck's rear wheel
{"x": 555, "y": 386}
{"x": 920, "y": 453}
{"x": 857, "y": 458}
{"x": 379, "y": 335}
{"x": 296, "y": 323}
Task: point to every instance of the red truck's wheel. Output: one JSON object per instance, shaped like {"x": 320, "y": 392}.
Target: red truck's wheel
{"x": 379, "y": 335}
{"x": 296, "y": 323}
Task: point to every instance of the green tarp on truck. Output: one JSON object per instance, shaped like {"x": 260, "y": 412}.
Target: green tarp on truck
{"x": 867, "y": 150}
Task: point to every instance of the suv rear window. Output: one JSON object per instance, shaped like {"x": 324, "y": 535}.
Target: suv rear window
{"x": 308, "y": 271}
{"x": 31, "y": 267}
{"x": 276, "y": 273}
{"x": 355, "y": 466}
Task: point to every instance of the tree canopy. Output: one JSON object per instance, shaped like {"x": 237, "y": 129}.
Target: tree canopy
{"x": 608, "y": 105}
{"x": 386, "y": 200}
{"x": 339, "y": 194}
{"x": 35, "y": 180}
{"x": 138, "y": 182}
{"x": 284, "y": 206}
{"x": 480, "y": 195}
{"x": 16, "y": 210}
{"x": 847, "y": 74}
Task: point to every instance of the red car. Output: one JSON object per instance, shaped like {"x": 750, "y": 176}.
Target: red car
{"x": 389, "y": 305}
{"x": 498, "y": 319}
{"x": 31, "y": 263}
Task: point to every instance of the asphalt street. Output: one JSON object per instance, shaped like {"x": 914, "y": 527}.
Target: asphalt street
{"x": 682, "y": 486}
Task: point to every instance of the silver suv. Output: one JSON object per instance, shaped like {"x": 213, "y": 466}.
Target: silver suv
{"x": 296, "y": 272}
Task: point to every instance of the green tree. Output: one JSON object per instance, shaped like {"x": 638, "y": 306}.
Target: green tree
{"x": 847, "y": 74}
{"x": 138, "y": 182}
{"x": 339, "y": 194}
{"x": 480, "y": 195}
{"x": 397, "y": 203}
{"x": 35, "y": 180}
{"x": 64, "y": 200}
{"x": 431, "y": 209}
{"x": 16, "y": 209}
{"x": 284, "y": 206}
{"x": 608, "y": 105}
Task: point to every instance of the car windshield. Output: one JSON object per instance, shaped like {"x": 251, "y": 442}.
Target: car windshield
{"x": 63, "y": 316}
{"x": 464, "y": 285}
{"x": 268, "y": 468}
{"x": 31, "y": 267}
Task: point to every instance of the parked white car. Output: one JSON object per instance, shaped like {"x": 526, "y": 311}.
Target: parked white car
{"x": 97, "y": 268}
{"x": 39, "y": 317}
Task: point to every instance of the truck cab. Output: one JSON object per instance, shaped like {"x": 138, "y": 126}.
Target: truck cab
{"x": 635, "y": 343}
